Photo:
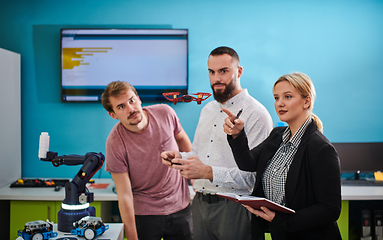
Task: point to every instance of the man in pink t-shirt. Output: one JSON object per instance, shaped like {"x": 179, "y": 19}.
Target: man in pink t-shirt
{"x": 153, "y": 199}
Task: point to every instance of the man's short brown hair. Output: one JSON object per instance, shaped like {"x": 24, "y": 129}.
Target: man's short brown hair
{"x": 115, "y": 89}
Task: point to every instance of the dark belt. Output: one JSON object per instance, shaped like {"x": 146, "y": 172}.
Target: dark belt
{"x": 209, "y": 198}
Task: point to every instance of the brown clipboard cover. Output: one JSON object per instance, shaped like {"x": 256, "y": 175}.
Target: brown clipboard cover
{"x": 256, "y": 202}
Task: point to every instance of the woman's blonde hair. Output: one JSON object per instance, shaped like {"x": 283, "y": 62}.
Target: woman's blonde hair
{"x": 305, "y": 87}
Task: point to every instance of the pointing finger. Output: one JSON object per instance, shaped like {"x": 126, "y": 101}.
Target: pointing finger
{"x": 229, "y": 113}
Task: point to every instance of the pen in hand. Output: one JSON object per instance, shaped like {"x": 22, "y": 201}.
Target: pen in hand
{"x": 238, "y": 114}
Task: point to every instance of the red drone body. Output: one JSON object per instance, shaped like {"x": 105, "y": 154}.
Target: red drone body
{"x": 186, "y": 98}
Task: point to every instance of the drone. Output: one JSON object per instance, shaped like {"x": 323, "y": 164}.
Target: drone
{"x": 186, "y": 98}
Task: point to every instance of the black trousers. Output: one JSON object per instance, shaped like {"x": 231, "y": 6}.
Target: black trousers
{"x": 175, "y": 226}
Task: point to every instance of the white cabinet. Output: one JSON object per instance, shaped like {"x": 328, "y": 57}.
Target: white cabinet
{"x": 10, "y": 117}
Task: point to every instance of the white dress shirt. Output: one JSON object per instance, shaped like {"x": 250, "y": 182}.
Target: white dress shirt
{"x": 211, "y": 146}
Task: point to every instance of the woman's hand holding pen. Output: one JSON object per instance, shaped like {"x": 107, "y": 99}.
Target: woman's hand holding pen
{"x": 233, "y": 125}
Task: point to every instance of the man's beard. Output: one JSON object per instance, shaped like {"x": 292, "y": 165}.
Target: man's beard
{"x": 223, "y": 95}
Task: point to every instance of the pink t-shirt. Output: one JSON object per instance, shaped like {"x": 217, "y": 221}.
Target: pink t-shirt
{"x": 157, "y": 189}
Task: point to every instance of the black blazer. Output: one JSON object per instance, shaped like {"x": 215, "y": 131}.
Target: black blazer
{"x": 312, "y": 187}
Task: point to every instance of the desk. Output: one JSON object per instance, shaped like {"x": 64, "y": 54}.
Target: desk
{"x": 44, "y": 203}
{"x": 44, "y": 196}
{"x": 48, "y": 193}
{"x": 362, "y": 193}
{"x": 355, "y": 193}
{"x": 30, "y": 204}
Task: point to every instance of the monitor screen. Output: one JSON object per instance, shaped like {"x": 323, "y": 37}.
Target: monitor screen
{"x": 366, "y": 157}
{"x": 152, "y": 60}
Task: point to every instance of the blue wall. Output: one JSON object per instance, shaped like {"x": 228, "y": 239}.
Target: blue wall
{"x": 337, "y": 43}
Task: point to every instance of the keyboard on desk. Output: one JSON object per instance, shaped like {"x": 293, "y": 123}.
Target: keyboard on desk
{"x": 362, "y": 182}
{"x": 36, "y": 182}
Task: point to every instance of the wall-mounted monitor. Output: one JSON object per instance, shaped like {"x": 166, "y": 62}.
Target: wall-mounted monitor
{"x": 152, "y": 60}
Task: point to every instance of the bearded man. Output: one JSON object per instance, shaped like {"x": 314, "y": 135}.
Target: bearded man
{"x": 211, "y": 165}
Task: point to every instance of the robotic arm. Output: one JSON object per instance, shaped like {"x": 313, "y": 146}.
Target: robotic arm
{"x": 75, "y": 191}
{"x": 77, "y": 197}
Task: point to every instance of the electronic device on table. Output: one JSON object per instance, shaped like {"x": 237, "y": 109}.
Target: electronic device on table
{"x": 89, "y": 227}
{"x": 359, "y": 162}
{"x": 37, "y": 230}
{"x": 76, "y": 203}
{"x": 37, "y": 182}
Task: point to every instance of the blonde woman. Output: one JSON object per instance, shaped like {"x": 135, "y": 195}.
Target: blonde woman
{"x": 296, "y": 167}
